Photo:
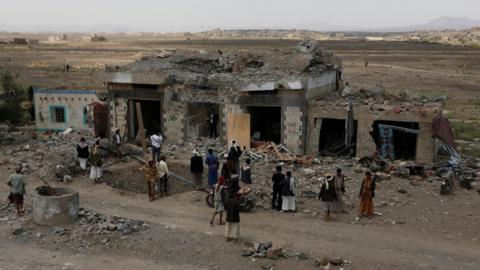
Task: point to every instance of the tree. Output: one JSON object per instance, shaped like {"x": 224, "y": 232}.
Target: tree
{"x": 12, "y": 95}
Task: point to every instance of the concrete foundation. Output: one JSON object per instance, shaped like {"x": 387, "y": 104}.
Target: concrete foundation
{"x": 56, "y": 210}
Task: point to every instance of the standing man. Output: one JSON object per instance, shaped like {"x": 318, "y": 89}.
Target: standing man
{"x": 328, "y": 195}
{"x": 212, "y": 124}
{"x": 288, "y": 193}
{"x": 339, "y": 181}
{"x": 17, "y": 184}
{"x": 232, "y": 205}
{"x": 96, "y": 163}
{"x": 162, "y": 176}
{"x": 212, "y": 162}
{"x": 118, "y": 142}
{"x": 234, "y": 154}
{"x": 82, "y": 153}
{"x": 196, "y": 168}
{"x": 150, "y": 173}
{"x": 156, "y": 139}
{"x": 277, "y": 180}
{"x": 246, "y": 172}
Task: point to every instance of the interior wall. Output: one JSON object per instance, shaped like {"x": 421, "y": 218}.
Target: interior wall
{"x": 151, "y": 115}
{"x": 332, "y": 137}
{"x": 197, "y": 119}
{"x": 404, "y": 143}
{"x": 266, "y": 121}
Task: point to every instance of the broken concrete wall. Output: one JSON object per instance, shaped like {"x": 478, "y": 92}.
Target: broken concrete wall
{"x": 174, "y": 112}
{"x": 118, "y": 114}
{"x": 293, "y": 119}
{"x": 74, "y": 104}
{"x": 321, "y": 85}
{"x": 365, "y": 118}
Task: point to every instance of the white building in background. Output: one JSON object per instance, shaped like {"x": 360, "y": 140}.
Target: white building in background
{"x": 58, "y": 109}
{"x": 373, "y": 38}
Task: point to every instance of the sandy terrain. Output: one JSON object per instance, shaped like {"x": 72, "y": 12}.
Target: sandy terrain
{"x": 416, "y": 230}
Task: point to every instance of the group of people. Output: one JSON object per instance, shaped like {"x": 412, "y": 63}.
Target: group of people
{"x": 226, "y": 186}
{"x": 283, "y": 191}
{"x": 156, "y": 176}
{"x": 333, "y": 188}
{"x": 94, "y": 156}
{"x": 231, "y": 166}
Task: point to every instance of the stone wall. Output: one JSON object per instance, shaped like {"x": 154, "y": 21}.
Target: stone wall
{"x": 118, "y": 114}
{"x": 365, "y": 119}
{"x": 292, "y": 125}
{"x": 173, "y": 114}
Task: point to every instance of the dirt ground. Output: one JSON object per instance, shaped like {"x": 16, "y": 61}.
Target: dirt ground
{"x": 416, "y": 229}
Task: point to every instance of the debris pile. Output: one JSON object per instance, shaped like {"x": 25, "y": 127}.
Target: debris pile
{"x": 264, "y": 250}
{"x": 327, "y": 262}
{"x": 53, "y": 153}
{"x": 94, "y": 222}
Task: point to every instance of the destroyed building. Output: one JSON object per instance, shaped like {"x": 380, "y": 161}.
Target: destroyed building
{"x": 290, "y": 97}
{"x": 262, "y": 95}
{"x": 57, "y": 109}
{"x": 397, "y": 127}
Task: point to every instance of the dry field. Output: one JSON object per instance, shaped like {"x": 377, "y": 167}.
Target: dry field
{"x": 420, "y": 69}
{"x": 417, "y": 228}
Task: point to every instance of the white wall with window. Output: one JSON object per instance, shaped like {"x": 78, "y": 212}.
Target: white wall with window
{"x": 59, "y": 109}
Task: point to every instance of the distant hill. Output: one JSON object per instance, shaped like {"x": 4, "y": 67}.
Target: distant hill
{"x": 442, "y": 23}
{"x": 468, "y": 37}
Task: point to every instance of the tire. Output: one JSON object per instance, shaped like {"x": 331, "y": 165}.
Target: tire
{"x": 248, "y": 206}
{"x": 210, "y": 200}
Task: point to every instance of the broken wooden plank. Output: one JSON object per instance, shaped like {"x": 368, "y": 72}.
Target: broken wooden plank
{"x": 114, "y": 162}
{"x": 141, "y": 129}
{"x": 181, "y": 178}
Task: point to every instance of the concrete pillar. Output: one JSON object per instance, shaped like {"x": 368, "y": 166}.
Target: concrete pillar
{"x": 425, "y": 144}
{"x": 293, "y": 128}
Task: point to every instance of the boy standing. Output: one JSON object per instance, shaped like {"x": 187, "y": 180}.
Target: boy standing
{"x": 17, "y": 183}
{"x": 232, "y": 205}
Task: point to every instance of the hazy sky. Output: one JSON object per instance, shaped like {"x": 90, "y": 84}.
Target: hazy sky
{"x": 232, "y": 13}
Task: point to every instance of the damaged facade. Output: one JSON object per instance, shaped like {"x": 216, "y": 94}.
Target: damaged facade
{"x": 290, "y": 97}
{"x": 58, "y": 109}
{"x": 396, "y": 129}
{"x": 176, "y": 92}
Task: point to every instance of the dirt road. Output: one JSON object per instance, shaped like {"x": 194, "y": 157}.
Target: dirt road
{"x": 368, "y": 247}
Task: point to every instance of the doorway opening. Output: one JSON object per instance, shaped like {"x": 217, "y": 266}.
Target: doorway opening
{"x": 265, "y": 124}
{"x": 396, "y": 140}
{"x": 332, "y": 138}
{"x": 202, "y": 120}
{"x": 151, "y": 116}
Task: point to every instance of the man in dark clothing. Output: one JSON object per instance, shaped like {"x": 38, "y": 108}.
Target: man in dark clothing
{"x": 328, "y": 195}
{"x": 234, "y": 154}
{"x": 212, "y": 124}
{"x": 277, "y": 180}
{"x": 196, "y": 168}
{"x": 232, "y": 206}
{"x": 232, "y": 184}
{"x": 247, "y": 172}
{"x": 83, "y": 154}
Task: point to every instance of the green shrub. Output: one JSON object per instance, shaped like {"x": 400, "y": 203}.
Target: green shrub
{"x": 12, "y": 95}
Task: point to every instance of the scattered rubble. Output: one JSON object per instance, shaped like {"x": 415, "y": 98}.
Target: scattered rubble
{"x": 325, "y": 262}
